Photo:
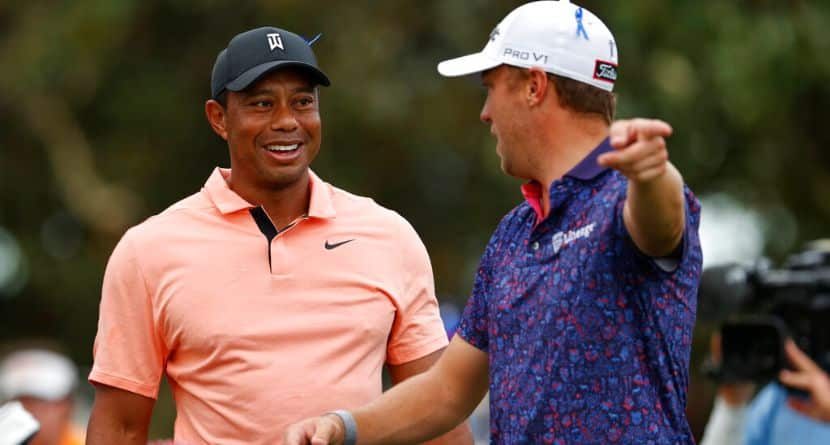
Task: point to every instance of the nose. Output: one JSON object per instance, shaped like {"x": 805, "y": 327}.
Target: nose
{"x": 283, "y": 119}
{"x": 485, "y": 113}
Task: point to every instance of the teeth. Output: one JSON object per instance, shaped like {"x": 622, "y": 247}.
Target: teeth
{"x": 282, "y": 147}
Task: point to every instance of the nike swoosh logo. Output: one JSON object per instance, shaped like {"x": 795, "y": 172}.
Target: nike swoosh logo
{"x": 330, "y": 246}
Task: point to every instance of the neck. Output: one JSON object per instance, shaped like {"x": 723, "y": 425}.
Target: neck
{"x": 565, "y": 144}
{"x": 283, "y": 205}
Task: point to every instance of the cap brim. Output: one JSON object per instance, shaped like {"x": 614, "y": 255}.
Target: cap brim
{"x": 252, "y": 75}
{"x": 470, "y": 64}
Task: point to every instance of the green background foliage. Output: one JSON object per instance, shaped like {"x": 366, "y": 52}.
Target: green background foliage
{"x": 101, "y": 111}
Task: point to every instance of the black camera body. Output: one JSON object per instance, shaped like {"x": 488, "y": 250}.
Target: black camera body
{"x": 765, "y": 306}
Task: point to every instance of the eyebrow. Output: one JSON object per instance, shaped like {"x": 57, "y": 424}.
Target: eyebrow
{"x": 270, "y": 91}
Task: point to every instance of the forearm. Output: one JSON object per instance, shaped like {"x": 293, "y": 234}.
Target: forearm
{"x": 102, "y": 431}
{"x": 420, "y": 408}
{"x": 118, "y": 416}
{"x": 654, "y": 212}
{"x": 460, "y": 435}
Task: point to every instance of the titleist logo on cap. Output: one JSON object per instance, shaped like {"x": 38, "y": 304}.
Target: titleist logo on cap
{"x": 606, "y": 71}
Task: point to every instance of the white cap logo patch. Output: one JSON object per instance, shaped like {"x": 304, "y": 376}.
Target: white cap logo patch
{"x": 275, "y": 41}
{"x": 606, "y": 71}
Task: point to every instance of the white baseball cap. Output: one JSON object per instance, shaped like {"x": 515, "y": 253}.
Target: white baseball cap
{"x": 558, "y": 36}
{"x": 37, "y": 373}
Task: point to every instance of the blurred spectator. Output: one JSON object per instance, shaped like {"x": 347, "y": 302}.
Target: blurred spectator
{"x": 43, "y": 382}
{"x": 17, "y": 426}
{"x": 776, "y": 418}
{"x": 773, "y": 417}
{"x": 728, "y": 418}
{"x": 807, "y": 376}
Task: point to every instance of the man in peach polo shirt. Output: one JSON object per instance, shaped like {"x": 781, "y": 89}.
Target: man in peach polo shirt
{"x": 269, "y": 295}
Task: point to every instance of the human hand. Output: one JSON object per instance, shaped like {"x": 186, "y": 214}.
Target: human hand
{"x": 809, "y": 377}
{"x": 324, "y": 430}
{"x": 640, "y": 149}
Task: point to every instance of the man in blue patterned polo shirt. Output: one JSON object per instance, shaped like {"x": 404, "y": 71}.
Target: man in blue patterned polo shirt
{"x": 583, "y": 307}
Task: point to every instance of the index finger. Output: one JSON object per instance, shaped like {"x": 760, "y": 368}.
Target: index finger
{"x": 324, "y": 433}
{"x": 799, "y": 359}
{"x": 298, "y": 434}
{"x": 294, "y": 436}
{"x": 623, "y": 133}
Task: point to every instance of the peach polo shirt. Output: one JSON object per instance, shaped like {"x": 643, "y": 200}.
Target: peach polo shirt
{"x": 249, "y": 347}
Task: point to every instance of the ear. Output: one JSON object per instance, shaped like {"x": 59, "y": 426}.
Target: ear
{"x": 215, "y": 113}
{"x": 537, "y": 86}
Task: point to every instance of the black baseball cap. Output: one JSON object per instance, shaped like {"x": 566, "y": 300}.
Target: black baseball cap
{"x": 253, "y": 53}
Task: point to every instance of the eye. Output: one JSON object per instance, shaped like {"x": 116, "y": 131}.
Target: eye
{"x": 305, "y": 101}
{"x": 262, "y": 103}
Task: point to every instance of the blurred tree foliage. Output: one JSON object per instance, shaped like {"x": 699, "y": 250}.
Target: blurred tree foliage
{"x": 101, "y": 110}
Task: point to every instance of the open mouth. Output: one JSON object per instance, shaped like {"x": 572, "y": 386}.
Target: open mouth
{"x": 282, "y": 148}
{"x": 284, "y": 153}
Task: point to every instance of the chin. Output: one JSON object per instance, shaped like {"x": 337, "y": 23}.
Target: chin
{"x": 507, "y": 167}
{"x": 284, "y": 178}
{"x": 511, "y": 170}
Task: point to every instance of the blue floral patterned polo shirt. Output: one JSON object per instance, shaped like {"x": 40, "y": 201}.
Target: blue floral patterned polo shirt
{"x": 588, "y": 338}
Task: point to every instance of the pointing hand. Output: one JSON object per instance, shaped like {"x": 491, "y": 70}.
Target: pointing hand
{"x": 640, "y": 149}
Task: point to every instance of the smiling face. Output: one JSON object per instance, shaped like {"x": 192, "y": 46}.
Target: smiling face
{"x": 272, "y": 129}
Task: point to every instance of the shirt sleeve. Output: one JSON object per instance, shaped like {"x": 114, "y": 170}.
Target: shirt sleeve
{"x": 474, "y": 326}
{"x": 417, "y": 330}
{"x": 760, "y": 416}
{"x": 128, "y": 352}
{"x": 689, "y": 258}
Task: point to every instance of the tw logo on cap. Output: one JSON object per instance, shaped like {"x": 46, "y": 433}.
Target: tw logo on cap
{"x": 606, "y": 71}
{"x": 275, "y": 41}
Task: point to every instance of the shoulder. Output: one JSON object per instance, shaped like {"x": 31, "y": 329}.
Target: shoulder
{"x": 174, "y": 219}
{"x": 365, "y": 210}
{"x": 610, "y": 188}
{"x": 512, "y": 229}
{"x": 391, "y": 243}
{"x": 348, "y": 202}
{"x": 600, "y": 199}
{"x": 519, "y": 217}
